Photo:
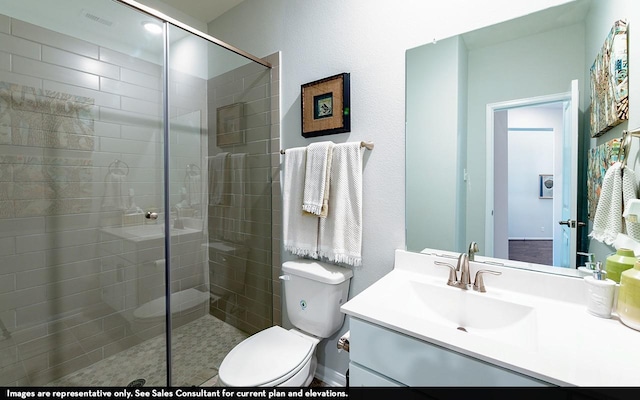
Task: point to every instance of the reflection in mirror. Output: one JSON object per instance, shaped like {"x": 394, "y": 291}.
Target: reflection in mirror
{"x": 463, "y": 182}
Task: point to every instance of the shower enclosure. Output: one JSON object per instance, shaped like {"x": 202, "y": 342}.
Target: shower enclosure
{"x": 135, "y": 197}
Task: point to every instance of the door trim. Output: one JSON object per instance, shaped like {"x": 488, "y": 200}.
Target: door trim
{"x": 489, "y": 154}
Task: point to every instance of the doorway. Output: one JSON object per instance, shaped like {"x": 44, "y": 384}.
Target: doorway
{"x": 531, "y": 164}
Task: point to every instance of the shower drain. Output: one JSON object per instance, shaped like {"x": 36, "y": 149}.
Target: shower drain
{"x": 137, "y": 383}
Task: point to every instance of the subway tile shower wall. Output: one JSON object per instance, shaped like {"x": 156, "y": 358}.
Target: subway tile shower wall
{"x": 240, "y": 228}
{"x": 68, "y": 108}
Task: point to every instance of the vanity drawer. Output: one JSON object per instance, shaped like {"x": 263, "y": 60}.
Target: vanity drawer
{"x": 414, "y": 362}
{"x": 360, "y": 376}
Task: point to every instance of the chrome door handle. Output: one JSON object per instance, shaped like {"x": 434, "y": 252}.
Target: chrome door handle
{"x": 151, "y": 215}
{"x": 571, "y": 223}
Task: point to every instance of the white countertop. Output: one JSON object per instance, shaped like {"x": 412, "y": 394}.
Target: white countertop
{"x": 569, "y": 346}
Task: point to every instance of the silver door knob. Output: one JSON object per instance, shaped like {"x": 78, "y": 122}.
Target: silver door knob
{"x": 151, "y": 215}
{"x": 571, "y": 223}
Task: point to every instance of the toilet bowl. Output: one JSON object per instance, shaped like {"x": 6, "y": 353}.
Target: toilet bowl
{"x": 276, "y": 356}
{"x": 180, "y": 301}
{"x": 279, "y": 357}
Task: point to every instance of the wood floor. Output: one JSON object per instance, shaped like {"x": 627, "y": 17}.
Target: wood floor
{"x": 533, "y": 251}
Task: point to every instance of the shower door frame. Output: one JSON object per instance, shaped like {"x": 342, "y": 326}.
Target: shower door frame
{"x": 167, "y": 21}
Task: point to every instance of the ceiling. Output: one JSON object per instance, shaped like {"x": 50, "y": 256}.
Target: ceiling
{"x": 203, "y": 10}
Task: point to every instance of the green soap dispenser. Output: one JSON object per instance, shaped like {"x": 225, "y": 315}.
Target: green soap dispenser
{"x": 628, "y": 305}
{"x": 621, "y": 260}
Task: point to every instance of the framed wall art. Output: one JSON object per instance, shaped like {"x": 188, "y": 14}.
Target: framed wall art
{"x": 546, "y": 186}
{"x": 609, "y": 82}
{"x": 229, "y": 125}
{"x": 326, "y": 106}
{"x": 599, "y": 159}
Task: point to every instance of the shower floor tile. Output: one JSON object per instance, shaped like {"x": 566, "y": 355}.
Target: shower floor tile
{"x": 198, "y": 349}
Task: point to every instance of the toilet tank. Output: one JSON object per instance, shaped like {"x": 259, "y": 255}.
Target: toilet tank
{"x": 313, "y": 293}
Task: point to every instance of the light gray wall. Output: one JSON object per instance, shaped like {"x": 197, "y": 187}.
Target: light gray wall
{"x": 367, "y": 39}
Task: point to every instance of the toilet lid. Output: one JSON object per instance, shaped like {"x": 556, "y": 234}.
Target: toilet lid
{"x": 265, "y": 357}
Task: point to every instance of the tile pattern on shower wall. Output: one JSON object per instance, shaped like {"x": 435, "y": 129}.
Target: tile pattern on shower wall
{"x": 68, "y": 110}
{"x": 240, "y": 232}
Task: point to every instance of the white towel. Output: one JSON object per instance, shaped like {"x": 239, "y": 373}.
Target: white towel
{"x": 629, "y": 192}
{"x": 235, "y": 223}
{"x": 193, "y": 189}
{"x": 340, "y": 236}
{"x": 115, "y": 192}
{"x": 316, "y": 181}
{"x": 607, "y": 222}
{"x": 299, "y": 230}
{"x": 218, "y": 178}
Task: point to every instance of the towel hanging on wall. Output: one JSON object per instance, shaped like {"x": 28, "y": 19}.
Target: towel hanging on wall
{"x": 115, "y": 191}
{"x": 617, "y": 190}
{"x": 219, "y": 178}
{"x": 630, "y": 192}
{"x": 316, "y": 180}
{"x": 340, "y": 236}
{"x": 299, "y": 230}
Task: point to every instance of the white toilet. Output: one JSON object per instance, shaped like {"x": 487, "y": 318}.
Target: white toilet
{"x": 313, "y": 293}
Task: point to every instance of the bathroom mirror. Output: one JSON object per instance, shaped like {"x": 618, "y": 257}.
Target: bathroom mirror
{"x": 450, "y": 85}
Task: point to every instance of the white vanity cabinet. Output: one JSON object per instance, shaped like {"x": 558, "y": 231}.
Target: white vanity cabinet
{"x": 528, "y": 328}
{"x": 382, "y": 357}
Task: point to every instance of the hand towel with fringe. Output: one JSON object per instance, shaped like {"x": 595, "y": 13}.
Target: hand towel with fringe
{"x": 616, "y": 189}
{"x": 218, "y": 168}
{"x": 316, "y": 180}
{"x": 300, "y": 230}
{"x": 340, "y": 236}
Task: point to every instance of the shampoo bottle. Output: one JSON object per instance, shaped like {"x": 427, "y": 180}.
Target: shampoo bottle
{"x": 600, "y": 292}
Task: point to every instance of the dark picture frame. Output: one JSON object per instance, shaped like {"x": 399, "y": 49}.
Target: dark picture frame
{"x": 326, "y": 106}
{"x": 230, "y": 124}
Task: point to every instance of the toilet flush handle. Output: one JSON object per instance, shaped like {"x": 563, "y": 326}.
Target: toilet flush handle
{"x": 285, "y": 277}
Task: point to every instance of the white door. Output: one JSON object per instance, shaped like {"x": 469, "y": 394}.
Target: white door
{"x": 566, "y": 256}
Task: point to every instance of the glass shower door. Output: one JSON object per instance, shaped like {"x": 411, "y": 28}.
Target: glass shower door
{"x": 81, "y": 161}
{"x": 220, "y": 195}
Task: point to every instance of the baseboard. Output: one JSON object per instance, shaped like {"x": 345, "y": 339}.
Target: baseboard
{"x": 331, "y": 377}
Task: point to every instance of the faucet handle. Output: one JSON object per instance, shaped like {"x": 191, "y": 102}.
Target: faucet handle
{"x": 478, "y": 282}
{"x": 453, "y": 277}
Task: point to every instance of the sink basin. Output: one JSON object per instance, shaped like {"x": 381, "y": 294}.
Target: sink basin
{"x": 476, "y": 313}
{"x": 432, "y": 303}
{"x": 152, "y": 231}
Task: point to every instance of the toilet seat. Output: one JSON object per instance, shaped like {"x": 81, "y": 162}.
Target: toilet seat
{"x": 266, "y": 358}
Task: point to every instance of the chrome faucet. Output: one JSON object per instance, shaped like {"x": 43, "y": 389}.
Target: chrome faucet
{"x": 463, "y": 268}
{"x": 473, "y": 249}
{"x": 464, "y": 282}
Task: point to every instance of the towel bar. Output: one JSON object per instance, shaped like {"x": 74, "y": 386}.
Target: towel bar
{"x": 366, "y": 145}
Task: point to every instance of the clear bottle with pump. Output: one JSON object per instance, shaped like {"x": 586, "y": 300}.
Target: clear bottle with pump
{"x": 600, "y": 292}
